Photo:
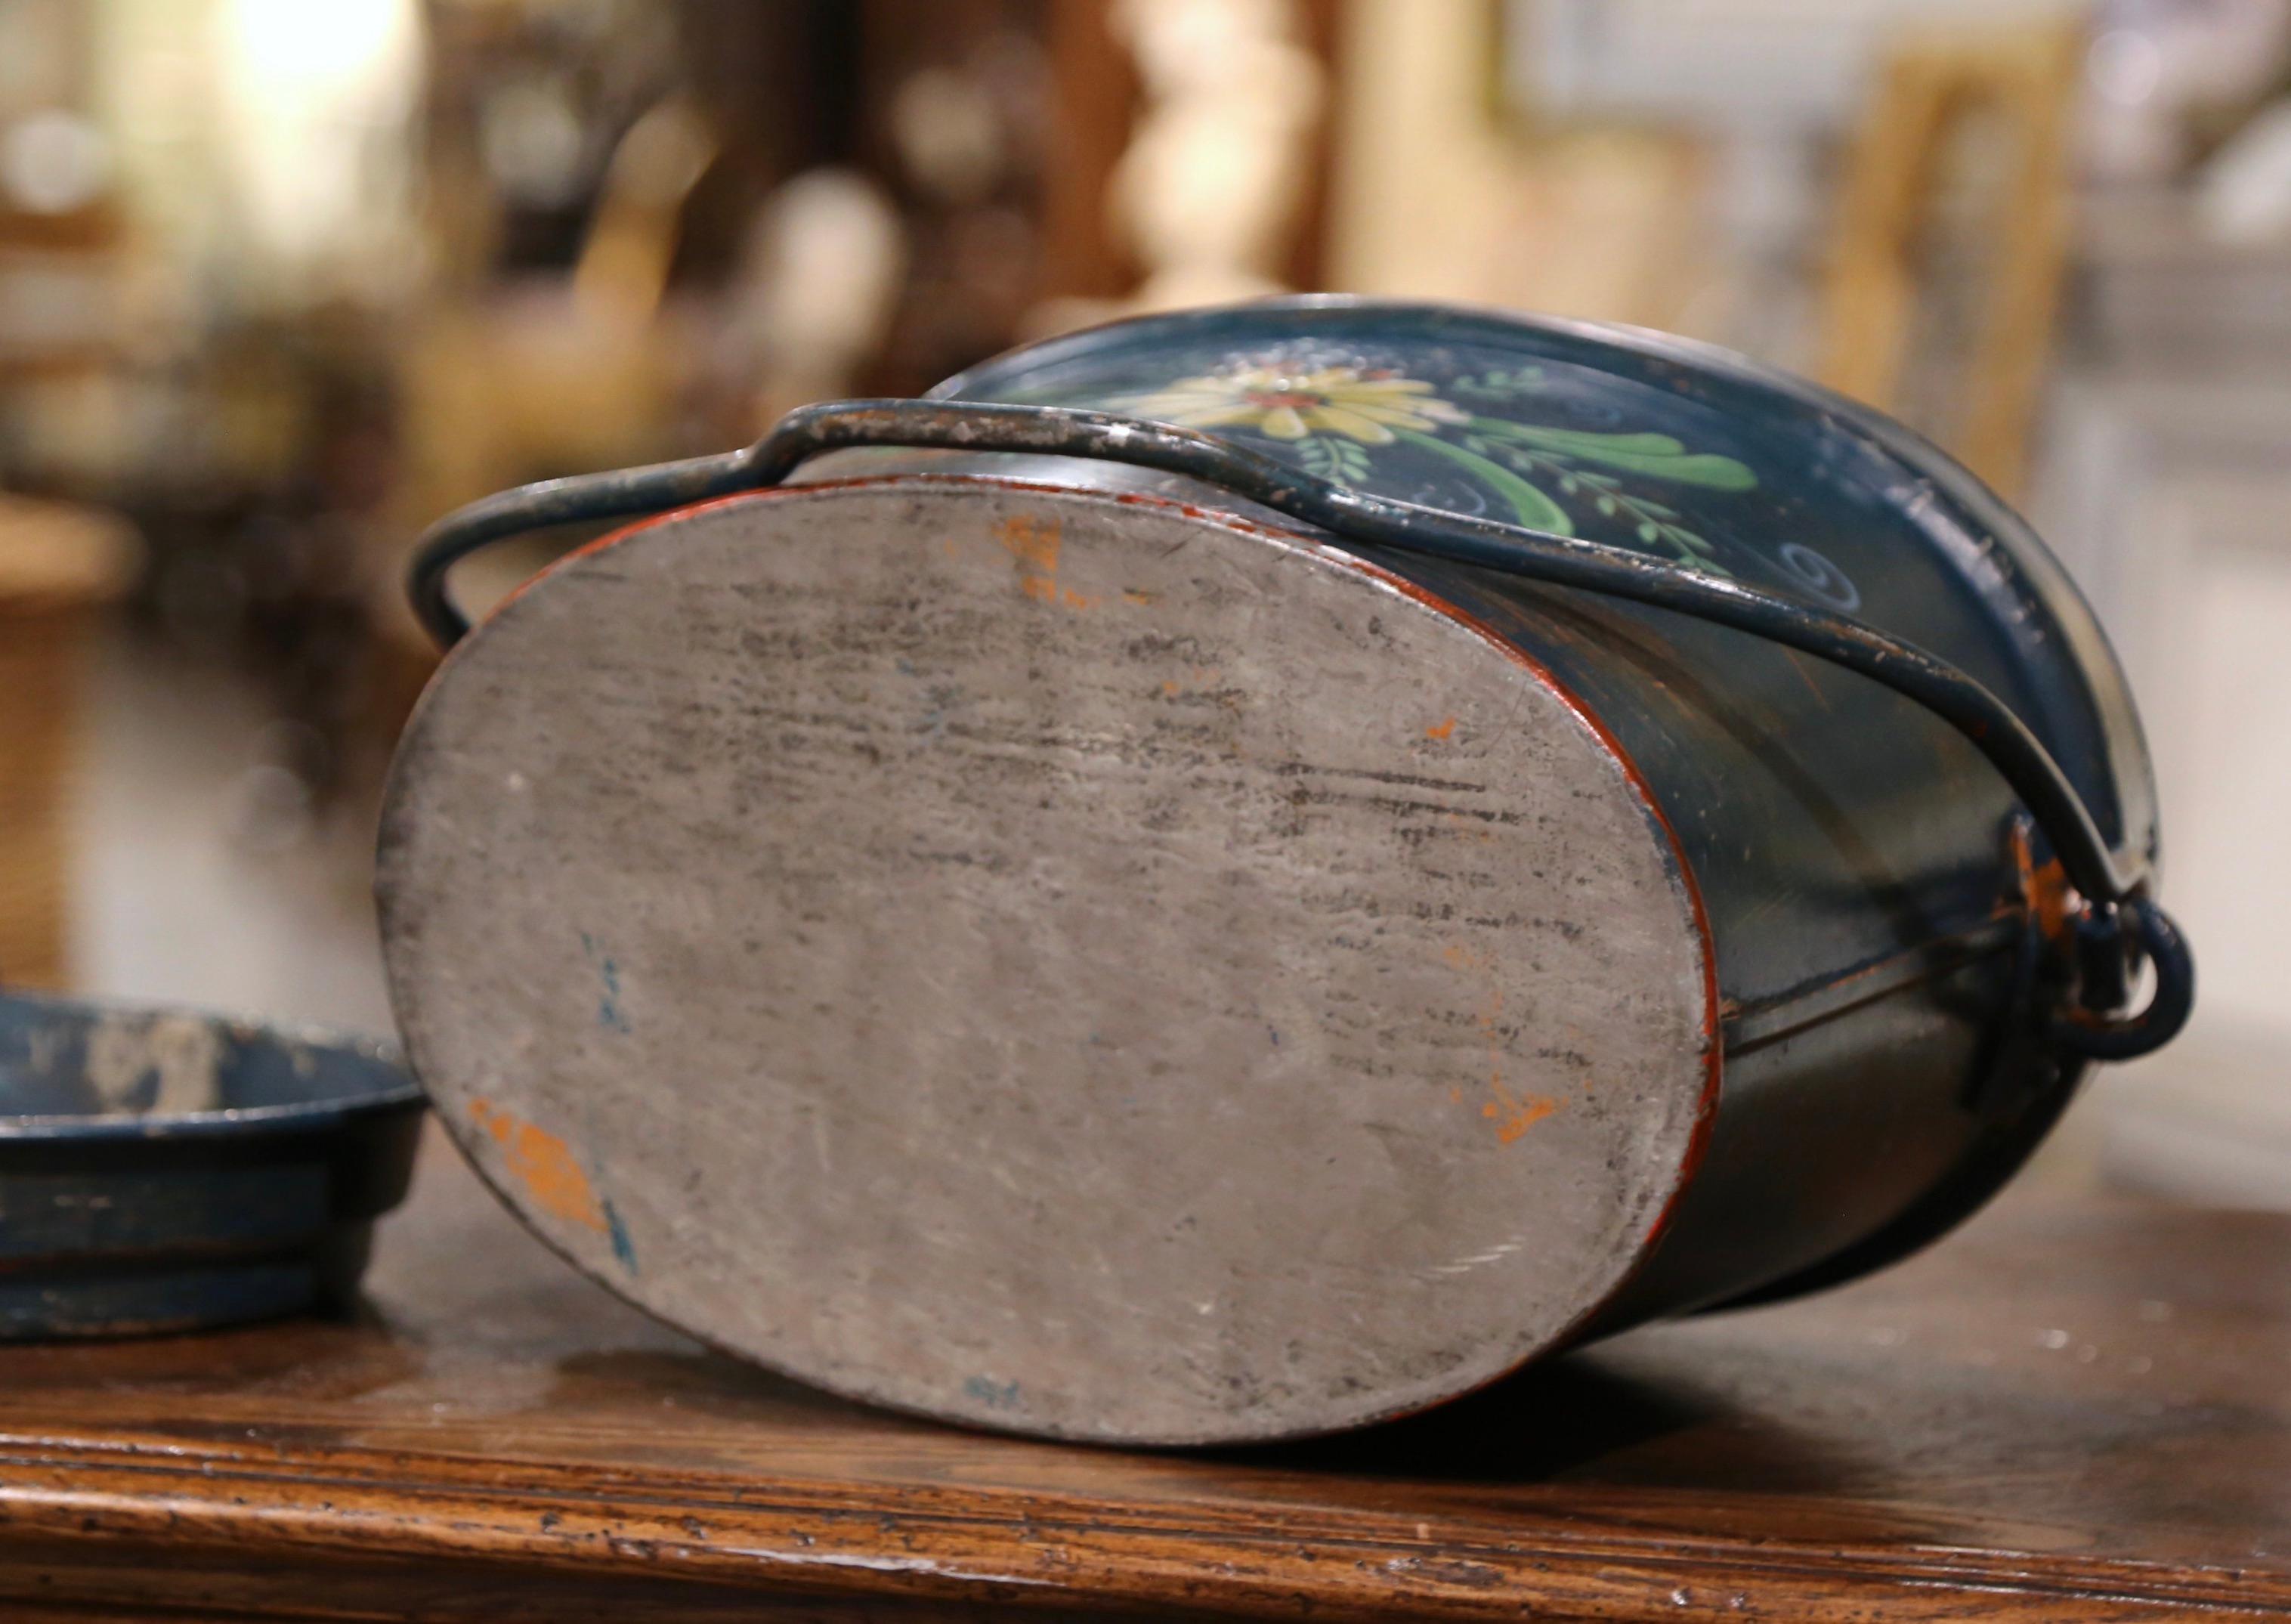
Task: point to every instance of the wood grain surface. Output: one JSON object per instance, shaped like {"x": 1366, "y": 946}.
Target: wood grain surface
{"x": 2065, "y": 1412}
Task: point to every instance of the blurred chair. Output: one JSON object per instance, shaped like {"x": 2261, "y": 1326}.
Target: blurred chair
{"x": 59, "y": 564}
{"x": 2013, "y": 87}
{"x": 815, "y": 291}
{"x": 556, "y": 376}
{"x": 563, "y": 375}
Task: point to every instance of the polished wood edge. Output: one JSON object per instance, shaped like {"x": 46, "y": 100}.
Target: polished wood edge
{"x": 282, "y": 1510}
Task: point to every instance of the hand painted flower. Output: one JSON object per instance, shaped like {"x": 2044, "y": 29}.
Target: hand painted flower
{"x": 1290, "y": 405}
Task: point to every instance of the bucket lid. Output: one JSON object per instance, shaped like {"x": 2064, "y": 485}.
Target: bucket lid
{"x": 1619, "y": 435}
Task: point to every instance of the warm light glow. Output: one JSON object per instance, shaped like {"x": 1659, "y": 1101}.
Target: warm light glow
{"x": 316, "y": 97}
{"x": 289, "y": 44}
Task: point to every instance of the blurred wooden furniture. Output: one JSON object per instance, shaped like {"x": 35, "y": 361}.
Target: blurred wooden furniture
{"x": 1452, "y": 181}
{"x": 59, "y": 304}
{"x": 2168, "y": 495}
{"x": 553, "y": 376}
{"x": 58, "y": 566}
{"x": 561, "y": 375}
{"x": 2022, "y": 79}
{"x": 1091, "y": 260}
{"x": 2067, "y": 1411}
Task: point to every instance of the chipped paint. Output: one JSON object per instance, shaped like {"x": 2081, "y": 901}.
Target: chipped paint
{"x": 179, "y": 1056}
{"x": 2045, "y": 891}
{"x": 622, "y": 1247}
{"x": 1035, "y": 543}
{"x": 609, "y": 1018}
{"x": 1200, "y": 680}
{"x": 1512, "y": 1116}
{"x": 993, "y": 1395}
{"x": 544, "y": 1164}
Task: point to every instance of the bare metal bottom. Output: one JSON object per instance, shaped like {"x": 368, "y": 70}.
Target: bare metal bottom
{"x": 1047, "y": 959}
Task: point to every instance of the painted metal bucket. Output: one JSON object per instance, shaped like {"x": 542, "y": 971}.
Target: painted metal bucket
{"x": 164, "y": 1171}
{"x": 1242, "y": 873}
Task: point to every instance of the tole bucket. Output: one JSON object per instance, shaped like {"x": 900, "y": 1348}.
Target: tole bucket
{"x": 1244, "y": 872}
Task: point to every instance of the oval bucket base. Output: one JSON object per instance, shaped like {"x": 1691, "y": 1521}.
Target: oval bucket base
{"x": 1052, "y": 960}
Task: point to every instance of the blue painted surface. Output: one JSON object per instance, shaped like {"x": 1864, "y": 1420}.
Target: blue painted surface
{"x": 116, "y": 1217}
{"x": 609, "y": 1018}
{"x": 1830, "y": 826}
{"x": 622, "y": 1247}
{"x": 1844, "y": 508}
{"x": 994, "y": 1394}
{"x": 1834, "y": 830}
{"x": 1813, "y": 861}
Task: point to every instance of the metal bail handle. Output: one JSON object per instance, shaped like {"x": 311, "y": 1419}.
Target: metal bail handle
{"x": 2116, "y": 917}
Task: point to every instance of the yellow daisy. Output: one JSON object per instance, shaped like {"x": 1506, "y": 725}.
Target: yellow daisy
{"x": 1290, "y": 405}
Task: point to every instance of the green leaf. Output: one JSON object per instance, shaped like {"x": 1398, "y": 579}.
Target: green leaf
{"x": 1656, "y": 455}
{"x": 1535, "y": 510}
{"x": 1580, "y": 439}
{"x": 1329, "y": 458}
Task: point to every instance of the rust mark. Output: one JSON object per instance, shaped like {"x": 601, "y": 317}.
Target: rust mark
{"x": 2045, "y": 890}
{"x": 1198, "y": 677}
{"x": 544, "y": 1164}
{"x": 1514, "y": 1116}
{"x": 1442, "y": 731}
{"x": 1464, "y": 824}
{"x": 1133, "y": 595}
{"x": 1035, "y": 543}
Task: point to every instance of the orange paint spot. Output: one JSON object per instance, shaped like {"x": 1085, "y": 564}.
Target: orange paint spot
{"x": 1512, "y": 1116}
{"x": 1141, "y": 599}
{"x": 544, "y": 1164}
{"x": 1468, "y": 828}
{"x": 1169, "y": 690}
{"x": 2045, "y": 891}
{"x": 1441, "y": 731}
{"x": 1034, "y": 544}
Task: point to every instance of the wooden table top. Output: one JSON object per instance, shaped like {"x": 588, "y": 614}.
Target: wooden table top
{"x": 2061, "y": 1413}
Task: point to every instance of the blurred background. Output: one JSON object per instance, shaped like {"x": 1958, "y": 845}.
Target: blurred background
{"x": 280, "y": 282}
